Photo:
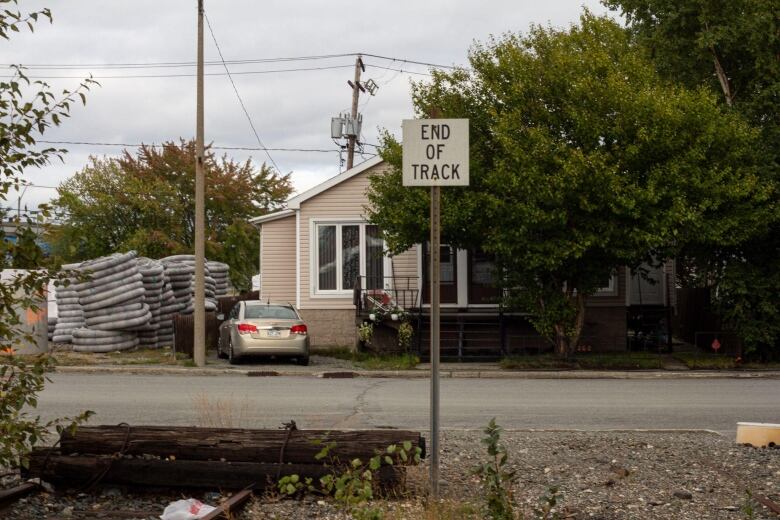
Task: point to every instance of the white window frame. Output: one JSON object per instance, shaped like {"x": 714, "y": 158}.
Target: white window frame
{"x": 611, "y": 289}
{"x": 314, "y": 242}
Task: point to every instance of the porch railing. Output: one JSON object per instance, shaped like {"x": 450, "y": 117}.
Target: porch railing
{"x": 385, "y": 294}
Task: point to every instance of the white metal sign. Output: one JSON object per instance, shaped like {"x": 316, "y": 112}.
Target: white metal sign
{"x": 436, "y": 152}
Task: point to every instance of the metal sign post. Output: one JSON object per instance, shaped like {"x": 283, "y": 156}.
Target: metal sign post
{"x": 435, "y": 310}
{"x": 435, "y": 154}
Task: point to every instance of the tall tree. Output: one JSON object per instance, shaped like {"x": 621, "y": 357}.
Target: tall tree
{"x": 582, "y": 160}
{"x": 146, "y": 202}
{"x": 733, "y": 48}
{"x": 27, "y": 110}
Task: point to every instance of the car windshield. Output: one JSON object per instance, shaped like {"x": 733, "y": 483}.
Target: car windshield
{"x": 270, "y": 311}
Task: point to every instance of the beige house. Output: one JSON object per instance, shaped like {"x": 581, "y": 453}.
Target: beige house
{"x": 320, "y": 253}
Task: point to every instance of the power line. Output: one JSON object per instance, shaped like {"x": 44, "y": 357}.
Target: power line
{"x": 176, "y": 64}
{"x": 414, "y": 62}
{"x": 240, "y": 148}
{"x": 399, "y": 70}
{"x": 147, "y": 76}
{"x": 235, "y": 89}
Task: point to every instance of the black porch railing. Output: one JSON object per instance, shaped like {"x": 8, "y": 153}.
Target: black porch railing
{"x": 384, "y": 294}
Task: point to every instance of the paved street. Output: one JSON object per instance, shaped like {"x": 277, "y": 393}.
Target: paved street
{"x": 360, "y": 403}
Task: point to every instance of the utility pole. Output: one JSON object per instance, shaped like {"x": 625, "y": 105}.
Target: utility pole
{"x": 199, "y": 348}
{"x": 356, "y": 88}
{"x": 19, "y": 205}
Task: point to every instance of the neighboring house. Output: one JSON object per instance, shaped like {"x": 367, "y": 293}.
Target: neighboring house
{"x": 321, "y": 254}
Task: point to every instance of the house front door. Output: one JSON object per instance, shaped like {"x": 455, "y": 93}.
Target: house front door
{"x": 449, "y": 274}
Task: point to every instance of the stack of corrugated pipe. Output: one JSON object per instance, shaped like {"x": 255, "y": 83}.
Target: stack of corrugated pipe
{"x": 69, "y": 313}
{"x": 221, "y": 274}
{"x": 113, "y": 302}
{"x": 119, "y": 301}
{"x": 181, "y": 271}
{"x": 153, "y": 279}
{"x": 52, "y": 326}
{"x": 169, "y": 307}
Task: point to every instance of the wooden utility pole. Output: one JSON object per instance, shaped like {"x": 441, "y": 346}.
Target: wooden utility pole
{"x": 199, "y": 348}
{"x": 356, "y": 88}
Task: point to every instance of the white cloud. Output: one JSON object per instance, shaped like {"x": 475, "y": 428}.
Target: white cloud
{"x": 290, "y": 110}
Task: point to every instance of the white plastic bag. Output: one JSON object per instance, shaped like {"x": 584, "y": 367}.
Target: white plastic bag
{"x": 190, "y": 509}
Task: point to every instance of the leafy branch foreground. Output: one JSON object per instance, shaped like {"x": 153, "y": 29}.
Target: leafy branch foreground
{"x": 355, "y": 485}
{"x": 27, "y": 110}
{"x": 20, "y": 384}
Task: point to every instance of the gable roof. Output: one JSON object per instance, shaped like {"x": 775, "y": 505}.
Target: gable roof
{"x": 295, "y": 202}
{"x": 268, "y": 217}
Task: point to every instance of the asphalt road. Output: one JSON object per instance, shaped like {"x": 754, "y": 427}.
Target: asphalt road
{"x": 715, "y": 404}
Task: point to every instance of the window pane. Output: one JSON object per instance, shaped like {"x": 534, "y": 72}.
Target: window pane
{"x": 327, "y": 257}
{"x": 350, "y": 254}
{"x": 447, "y": 270}
{"x": 375, "y": 264}
{"x": 269, "y": 311}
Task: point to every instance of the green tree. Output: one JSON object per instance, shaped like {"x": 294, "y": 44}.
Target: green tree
{"x": 583, "y": 159}
{"x": 146, "y": 202}
{"x": 732, "y": 48}
{"x": 27, "y": 110}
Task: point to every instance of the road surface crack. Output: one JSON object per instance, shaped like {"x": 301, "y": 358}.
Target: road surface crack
{"x": 360, "y": 403}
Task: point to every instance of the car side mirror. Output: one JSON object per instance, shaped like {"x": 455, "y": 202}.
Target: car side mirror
{"x": 221, "y": 317}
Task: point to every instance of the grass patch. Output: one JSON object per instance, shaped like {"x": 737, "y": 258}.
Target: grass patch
{"x": 705, "y": 361}
{"x": 536, "y": 362}
{"x": 221, "y": 413}
{"x": 601, "y": 361}
{"x": 372, "y": 361}
{"x": 701, "y": 361}
{"x": 139, "y": 356}
{"x": 621, "y": 361}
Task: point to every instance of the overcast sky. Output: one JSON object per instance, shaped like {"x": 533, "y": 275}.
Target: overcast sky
{"x": 289, "y": 109}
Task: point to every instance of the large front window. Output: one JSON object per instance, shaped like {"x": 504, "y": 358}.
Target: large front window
{"x": 345, "y": 252}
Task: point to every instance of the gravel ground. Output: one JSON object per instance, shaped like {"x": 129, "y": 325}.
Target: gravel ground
{"x": 600, "y": 475}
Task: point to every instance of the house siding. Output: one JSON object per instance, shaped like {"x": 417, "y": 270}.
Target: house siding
{"x": 343, "y": 202}
{"x": 277, "y": 260}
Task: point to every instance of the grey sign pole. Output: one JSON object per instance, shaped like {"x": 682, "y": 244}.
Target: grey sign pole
{"x": 436, "y": 154}
{"x": 435, "y": 309}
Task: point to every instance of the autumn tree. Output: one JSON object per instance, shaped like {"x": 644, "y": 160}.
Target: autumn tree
{"x": 583, "y": 159}
{"x": 145, "y": 201}
{"x": 733, "y": 49}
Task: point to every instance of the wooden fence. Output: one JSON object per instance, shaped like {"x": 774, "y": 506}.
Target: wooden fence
{"x": 184, "y": 324}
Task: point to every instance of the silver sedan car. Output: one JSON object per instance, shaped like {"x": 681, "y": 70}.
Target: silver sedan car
{"x": 265, "y": 329}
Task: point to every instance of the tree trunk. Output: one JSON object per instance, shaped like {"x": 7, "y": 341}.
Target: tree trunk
{"x": 579, "y": 323}
{"x": 722, "y": 78}
{"x": 561, "y": 342}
